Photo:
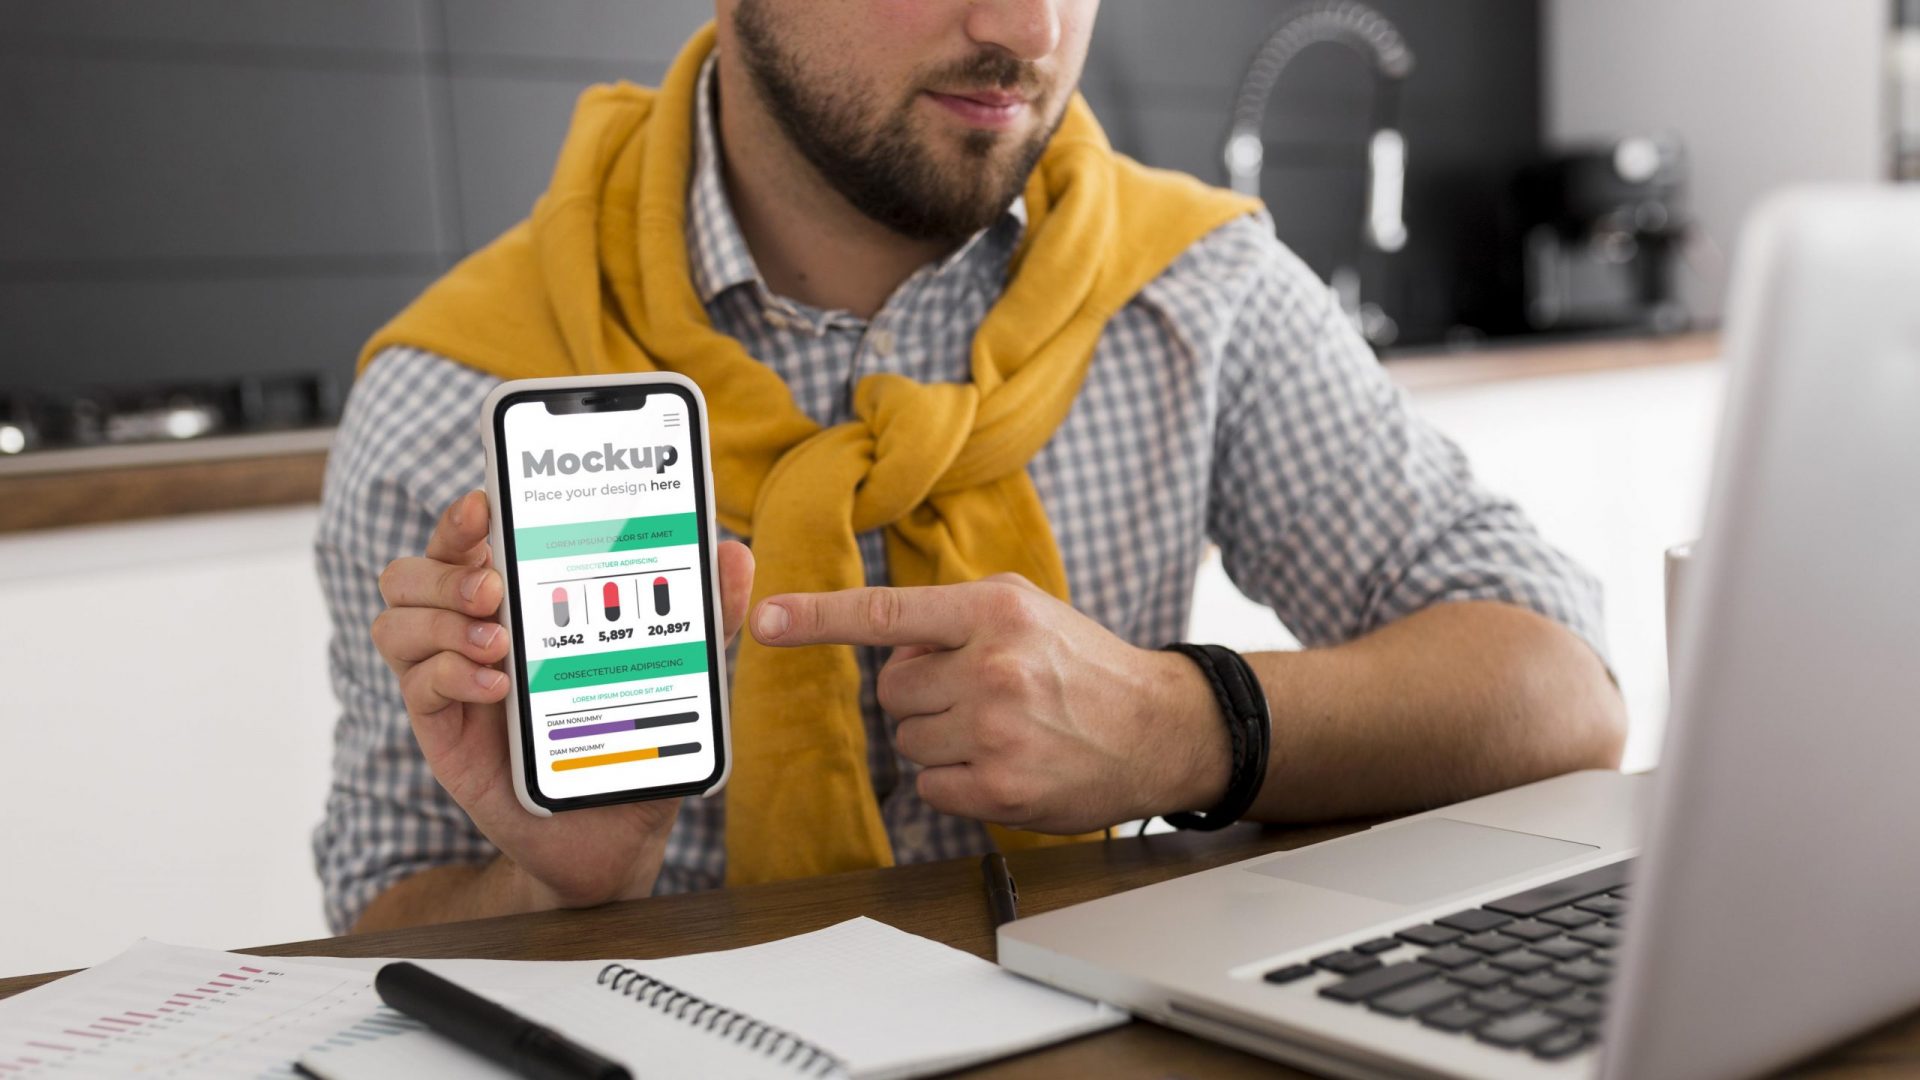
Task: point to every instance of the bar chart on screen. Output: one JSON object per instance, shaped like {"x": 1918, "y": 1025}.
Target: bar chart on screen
{"x": 159, "y": 1010}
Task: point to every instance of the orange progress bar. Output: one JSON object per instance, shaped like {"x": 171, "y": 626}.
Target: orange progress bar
{"x": 606, "y": 759}
{"x": 647, "y": 754}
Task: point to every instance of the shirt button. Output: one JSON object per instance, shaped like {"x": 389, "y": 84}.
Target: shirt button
{"x": 914, "y": 836}
{"x": 882, "y": 342}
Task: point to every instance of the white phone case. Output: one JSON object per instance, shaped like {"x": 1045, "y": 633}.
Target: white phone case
{"x": 496, "y": 539}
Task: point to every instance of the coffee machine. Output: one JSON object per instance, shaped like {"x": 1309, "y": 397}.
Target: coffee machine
{"x": 1601, "y": 230}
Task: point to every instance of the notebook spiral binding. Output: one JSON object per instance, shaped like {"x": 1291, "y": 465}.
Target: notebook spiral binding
{"x": 807, "y": 1059}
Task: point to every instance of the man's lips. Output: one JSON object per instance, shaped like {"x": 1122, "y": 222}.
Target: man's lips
{"x": 992, "y": 109}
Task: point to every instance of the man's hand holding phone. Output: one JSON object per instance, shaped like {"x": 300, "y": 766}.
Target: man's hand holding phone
{"x": 441, "y": 636}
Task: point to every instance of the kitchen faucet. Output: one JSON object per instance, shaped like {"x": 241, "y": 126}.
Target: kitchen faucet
{"x": 1368, "y": 33}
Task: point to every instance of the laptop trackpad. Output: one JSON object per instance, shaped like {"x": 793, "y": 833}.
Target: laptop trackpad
{"x": 1420, "y": 861}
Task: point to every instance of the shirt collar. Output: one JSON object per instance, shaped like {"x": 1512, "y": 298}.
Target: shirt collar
{"x": 718, "y": 253}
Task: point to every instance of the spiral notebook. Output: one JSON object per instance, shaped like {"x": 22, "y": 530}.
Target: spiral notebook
{"x": 858, "y": 1000}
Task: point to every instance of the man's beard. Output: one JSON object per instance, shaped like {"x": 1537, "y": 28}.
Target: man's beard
{"x": 881, "y": 168}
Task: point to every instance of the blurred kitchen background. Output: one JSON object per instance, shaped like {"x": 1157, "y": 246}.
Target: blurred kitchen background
{"x": 1529, "y": 206}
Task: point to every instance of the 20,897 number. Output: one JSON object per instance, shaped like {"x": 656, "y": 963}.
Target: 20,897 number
{"x": 668, "y": 628}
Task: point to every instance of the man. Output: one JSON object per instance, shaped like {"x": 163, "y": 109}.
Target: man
{"x": 872, "y": 202}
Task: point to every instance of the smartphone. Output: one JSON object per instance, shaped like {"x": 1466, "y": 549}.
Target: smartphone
{"x": 602, "y": 497}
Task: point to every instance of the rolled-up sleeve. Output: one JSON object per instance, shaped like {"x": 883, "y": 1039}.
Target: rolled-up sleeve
{"x": 1336, "y": 505}
{"x": 408, "y": 445}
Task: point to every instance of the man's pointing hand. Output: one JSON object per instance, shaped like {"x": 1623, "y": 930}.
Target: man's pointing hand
{"x": 1019, "y": 709}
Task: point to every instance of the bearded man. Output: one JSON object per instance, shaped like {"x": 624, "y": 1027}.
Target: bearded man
{"x": 983, "y": 392}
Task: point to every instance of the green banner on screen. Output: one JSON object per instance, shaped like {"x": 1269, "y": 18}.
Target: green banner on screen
{"x": 627, "y": 665}
{"x": 604, "y": 537}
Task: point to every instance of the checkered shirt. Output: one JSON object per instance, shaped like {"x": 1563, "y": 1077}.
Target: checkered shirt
{"x": 1230, "y": 402}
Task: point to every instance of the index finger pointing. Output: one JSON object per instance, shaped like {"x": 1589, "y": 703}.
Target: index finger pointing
{"x": 939, "y": 615}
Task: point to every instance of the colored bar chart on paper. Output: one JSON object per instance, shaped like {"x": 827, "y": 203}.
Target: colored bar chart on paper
{"x": 166, "y": 1011}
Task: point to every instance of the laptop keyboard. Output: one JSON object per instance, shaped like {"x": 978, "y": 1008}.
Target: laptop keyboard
{"x": 1527, "y": 973}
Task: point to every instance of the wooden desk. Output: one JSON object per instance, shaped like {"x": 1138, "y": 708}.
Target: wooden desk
{"x": 944, "y": 901}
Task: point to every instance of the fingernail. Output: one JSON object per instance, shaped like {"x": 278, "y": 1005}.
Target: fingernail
{"x": 470, "y": 585}
{"x": 488, "y": 679}
{"x": 482, "y": 634}
{"x": 772, "y": 621}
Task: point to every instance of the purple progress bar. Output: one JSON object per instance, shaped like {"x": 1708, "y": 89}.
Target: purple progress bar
{"x": 581, "y": 731}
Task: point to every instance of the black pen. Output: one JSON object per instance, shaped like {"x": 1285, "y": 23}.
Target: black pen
{"x": 489, "y": 1029}
{"x": 1003, "y": 896}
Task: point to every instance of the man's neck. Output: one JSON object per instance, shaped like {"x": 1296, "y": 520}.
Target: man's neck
{"x": 808, "y": 242}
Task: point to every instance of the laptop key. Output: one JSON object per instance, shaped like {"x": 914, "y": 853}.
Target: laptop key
{"x": 1602, "y": 905}
{"x": 1560, "y": 893}
{"x": 1531, "y": 930}
{"x": 1571, "y": 918}
{"x": 1499, "y": 1002}
{"x": 1379, "y": 981}
{"x": 1585, "y": 972}
{"x": 1521, "y": 962}
{"x": 1429, "y": 935}
{"x": 1561, "y": 948}
{"x": 1290, "y": 973}
{"x": 1480, "y": 976}
{"x": 1455, "y": 1017}
{"x": 1345, "y": 963}
{"x": 1450, "y": 957}
{"x": 1417, "y": 998}
{"x": 1474, "y": 920}
{"x": 1519, "y": 1029}
{"x": 1577, "y": 1008}
{"x": 1603, "y": 937}
{"x": 1493, "y": 941}
{"x": 1542, "y": 985}
{"x": 1561, "y": 1043}
{"x": 1376, "y": 946}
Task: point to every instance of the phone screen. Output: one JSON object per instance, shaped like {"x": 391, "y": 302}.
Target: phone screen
{"x": 603, "y": 501}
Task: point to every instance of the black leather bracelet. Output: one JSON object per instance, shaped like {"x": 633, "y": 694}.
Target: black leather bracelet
{"x": 1243, "y": 705}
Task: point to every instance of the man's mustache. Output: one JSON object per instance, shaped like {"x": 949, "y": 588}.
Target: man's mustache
{"x": 990, "y": 71}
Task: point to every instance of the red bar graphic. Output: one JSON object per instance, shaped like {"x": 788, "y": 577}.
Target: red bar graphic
{"x": 235, "y": 978}
{"x": 88, "y": 1034}
{"x": 255, "y": 971}
{"x": 141, "y": 1015}
{"x": 51, "y": 1046}
{"x": 117, "y": 1020}
{"x": 163, "y": 1008}
{"x": 196, "y": 997}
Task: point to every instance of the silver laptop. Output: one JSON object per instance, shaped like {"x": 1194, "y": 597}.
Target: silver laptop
{"x": 1757, "y": 898}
